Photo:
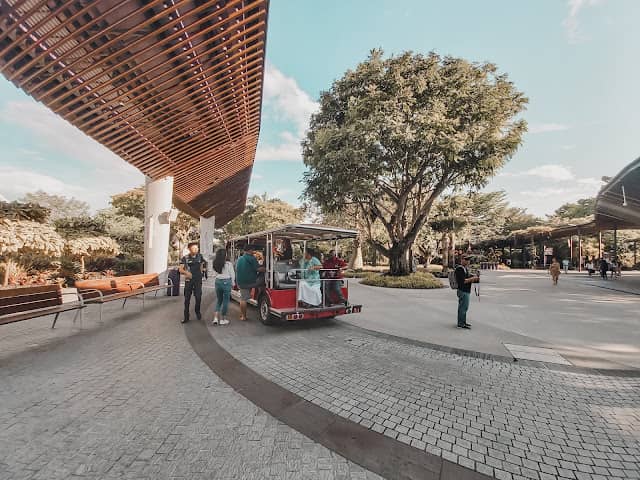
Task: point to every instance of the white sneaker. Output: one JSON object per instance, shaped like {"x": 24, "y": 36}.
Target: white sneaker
{"x": 215, "y": 320}
{"x": 224, "y": 322}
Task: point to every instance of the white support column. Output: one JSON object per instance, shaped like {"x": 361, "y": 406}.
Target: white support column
{"x": 207, "y": 239}
{"x": 157, "y": 208}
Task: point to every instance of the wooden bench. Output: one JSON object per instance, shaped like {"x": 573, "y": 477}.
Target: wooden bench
{"x": 99, "y": 292}
{"x": 23, "y": 303}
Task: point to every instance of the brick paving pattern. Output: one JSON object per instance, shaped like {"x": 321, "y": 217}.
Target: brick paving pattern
{"x": 130, "y": 399}
{"x": 508, "y": 421}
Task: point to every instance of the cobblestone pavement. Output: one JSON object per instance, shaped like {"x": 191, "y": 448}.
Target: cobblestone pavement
{"x": 130, "y": 399}
{"x": 501, "y": 419}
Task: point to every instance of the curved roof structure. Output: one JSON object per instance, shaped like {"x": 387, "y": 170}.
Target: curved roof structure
{"x": 618, "y": 203}
{"x": 173, "y": 87}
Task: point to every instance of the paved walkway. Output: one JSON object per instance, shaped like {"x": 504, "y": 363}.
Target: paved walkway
{"x": 591, "y": 327}
{"x": 499, "y": 418}
{"x": 130, "y": 399}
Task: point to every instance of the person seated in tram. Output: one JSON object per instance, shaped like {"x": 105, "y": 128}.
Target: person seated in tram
{"x": 333, "y": 266}
{"x": 309, "y": 292}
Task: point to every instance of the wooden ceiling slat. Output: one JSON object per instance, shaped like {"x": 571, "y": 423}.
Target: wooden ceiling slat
{"x": 133, "y": 89}
{"x": 87, "y": 80}
{"x": 161, "y": 94}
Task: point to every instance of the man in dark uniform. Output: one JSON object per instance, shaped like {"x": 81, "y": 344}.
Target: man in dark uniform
{"x": 192, "y": 266}
{"x": 464, "y": 280}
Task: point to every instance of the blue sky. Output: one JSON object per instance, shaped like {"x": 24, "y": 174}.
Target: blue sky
{"x": 576, "y": 60}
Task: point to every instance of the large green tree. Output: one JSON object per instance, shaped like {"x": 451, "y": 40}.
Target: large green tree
{"x": 395, "y": 133}
{"x": 59, "y": 206}
{"x": 263, "y": 213}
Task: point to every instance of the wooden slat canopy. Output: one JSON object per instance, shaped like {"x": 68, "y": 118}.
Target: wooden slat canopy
{"x": 173, "y": 87}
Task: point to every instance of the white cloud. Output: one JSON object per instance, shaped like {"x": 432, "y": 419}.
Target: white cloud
{"x": 571, "y": 23}
{"x": 551, "y": 172}
{"x": 285, "y": 101}
{"x": 101, "y": 173}
{"x": 547, "y": 127}
{"x": 59, "y": 135}
{"x": 17, "y": 181}
{"x": 568, "y": 147}
{"x": 3, "y": 198}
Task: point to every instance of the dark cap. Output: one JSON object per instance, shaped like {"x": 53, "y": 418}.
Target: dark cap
{"x": 191, "y": 244}
{"x": 249, "y": 248}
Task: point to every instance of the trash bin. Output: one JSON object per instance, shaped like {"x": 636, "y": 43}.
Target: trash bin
{"x": 174, "y": 289}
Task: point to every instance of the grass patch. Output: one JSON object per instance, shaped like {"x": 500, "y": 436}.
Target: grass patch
{"x": 419, "y": 280}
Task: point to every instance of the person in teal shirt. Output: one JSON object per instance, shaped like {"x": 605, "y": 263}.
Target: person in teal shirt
{"x": 247, "y": 269}
{"x": 309, "y": 289}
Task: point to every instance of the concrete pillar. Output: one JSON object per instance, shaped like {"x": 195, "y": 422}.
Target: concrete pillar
{"x": 207, "y": 240}
{"x": 157, "y": 205}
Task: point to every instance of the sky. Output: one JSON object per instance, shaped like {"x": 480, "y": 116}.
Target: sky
{"x": 576, "y": 61}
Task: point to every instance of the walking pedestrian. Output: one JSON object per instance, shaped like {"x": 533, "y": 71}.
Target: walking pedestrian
{"x": 565, "y": 265}
{"x": 554, "y": 270}
{"x": 192, "y": 266}
{"x": 604, "y": 267}
{"x": 224, "y": 280}
{"x": 464, "y": 279}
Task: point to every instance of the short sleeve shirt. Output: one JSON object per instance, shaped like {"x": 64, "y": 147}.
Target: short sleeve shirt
{"x": 336, "y": 264}
{"x": 247, "y": 270}
{"x": 194, "y": 265}
{"x": 311, "y": 275}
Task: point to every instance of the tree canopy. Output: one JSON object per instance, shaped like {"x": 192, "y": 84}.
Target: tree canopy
{"x": 58, "y": 205}
{"x": 395, "y": 133}
{"x": 263, "y": 213}
{"x": 130, "y": 203}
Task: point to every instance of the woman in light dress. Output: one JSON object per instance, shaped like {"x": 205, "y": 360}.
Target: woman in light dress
{"x": 309, "y": 291}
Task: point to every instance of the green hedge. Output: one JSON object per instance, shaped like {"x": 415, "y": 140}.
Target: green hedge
{"x": 420, "y": 280}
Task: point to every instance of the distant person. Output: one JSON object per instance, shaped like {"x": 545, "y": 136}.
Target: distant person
{"x": 604, "y": 266}
{"x": 247, "y": 269}
{"x": 554, "y": 270}
{"x": 192, "y": 266}
{"x": 224, "y": 275}
{"x": 464, "y": 279}
{"x": 333, "y": 266}
{"x": 565, "y": 265}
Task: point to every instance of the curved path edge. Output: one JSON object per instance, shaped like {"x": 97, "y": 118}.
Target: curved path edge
{"x": 613, "y": 372}
{"x": 380, "y": 454}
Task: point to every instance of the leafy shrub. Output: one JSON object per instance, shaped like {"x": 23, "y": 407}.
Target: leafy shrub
{"x": 129, "y": 266}
{"x": 100, "y": 264}
{"x": 69, "y": 271}
{"x": 419, "y": 280}
{"x": 33, "y": 262}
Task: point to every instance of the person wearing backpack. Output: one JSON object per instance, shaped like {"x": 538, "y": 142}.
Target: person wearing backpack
{"x": 463, "y": 280}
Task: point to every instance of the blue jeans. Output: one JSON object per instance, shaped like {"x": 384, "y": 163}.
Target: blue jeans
{"x": 223, "y": 294}
{"x": 463, "y": 306}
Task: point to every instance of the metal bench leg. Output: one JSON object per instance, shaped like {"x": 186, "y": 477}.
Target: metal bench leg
{"x": 143, "y": 301}
{"x": 75, "y": 317}
{"x": 101, "y": 305}
{"x": 125, "y": 302}
{"x": 53, "y": 325}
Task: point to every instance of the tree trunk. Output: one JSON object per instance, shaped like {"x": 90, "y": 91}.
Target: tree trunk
{"x": 399, "y": 264}
{"x": 355, "y": 263}
{"x": 81, "y": 263}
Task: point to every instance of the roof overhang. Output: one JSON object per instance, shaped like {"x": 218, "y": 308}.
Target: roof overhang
{"x": 173, "y": 87}
{"x": 618, "y": 203}
{"x": 303, "y": 232}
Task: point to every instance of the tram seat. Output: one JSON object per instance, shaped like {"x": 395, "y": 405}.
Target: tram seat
{"x": 283, "y": 271}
